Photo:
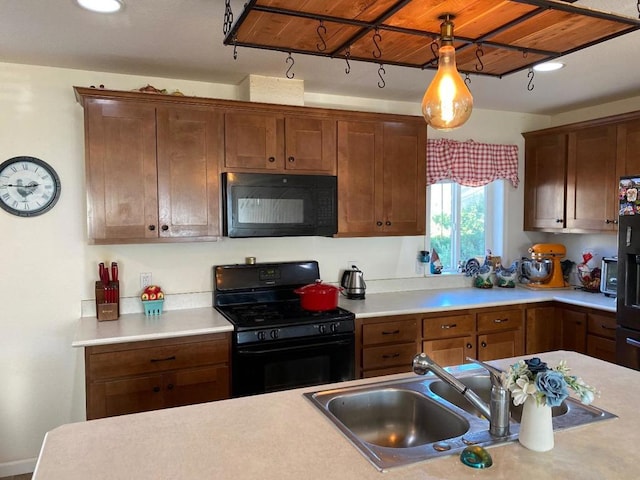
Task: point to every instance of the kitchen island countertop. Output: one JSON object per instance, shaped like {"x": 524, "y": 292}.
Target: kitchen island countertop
{"x": 282, "y": 436}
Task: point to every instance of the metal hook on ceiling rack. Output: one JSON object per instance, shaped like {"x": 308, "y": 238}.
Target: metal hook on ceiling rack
{"x": 289, "y": 74}
{"x": 467, "y": 80}
{"x": 381, "y": 71}
{"x": 228, "y": 17}
{"x": 530, "y": 76}
{"x": 638, "y": 7}
{"x": 377, "y": 38}
{"x": 347, "y": 56}
{"x": 235, "y": 48}
{"x": 479, "y": 54}
{"x": 434, "y": 49}
{"x": 321, "y": 30}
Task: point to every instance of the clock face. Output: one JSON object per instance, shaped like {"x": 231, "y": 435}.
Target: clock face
{"x": 28, "y": 186}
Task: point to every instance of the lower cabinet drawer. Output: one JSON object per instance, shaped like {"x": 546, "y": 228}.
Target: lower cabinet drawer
{"x": 389, "y": 356}
{"x": 500, "y": 320}
{"x": 603, "y": 325}
{"x": 449, "y": 326}
{"x": 153, "y": 359}
{"x": 396, "y": 331}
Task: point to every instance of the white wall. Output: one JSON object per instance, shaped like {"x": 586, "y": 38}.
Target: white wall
{"x": 48, "y": 269}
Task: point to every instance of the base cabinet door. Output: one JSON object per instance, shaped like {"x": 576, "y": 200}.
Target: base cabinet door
{"x": 450, "y": 351}
{"x": 574, "y": 330}
{"x": 121, "y": 397}
{"x": 500, "y": 345}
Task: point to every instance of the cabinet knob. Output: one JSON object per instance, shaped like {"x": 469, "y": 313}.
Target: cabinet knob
{"x": 291, "y": 159}
{"x": 170, "y": 386}
{"x": 152, "y": 227}
{"x": 387, "y": 223}
{"x": 559, "y": 220}
{"x": 379, "y": 224}
{"x": 272, "y": 159}
{"x": 156, "y": 389}
{"x": 484, "y": 344}
{"x": 469, "y": 346}
{"x": 165, "y": 228}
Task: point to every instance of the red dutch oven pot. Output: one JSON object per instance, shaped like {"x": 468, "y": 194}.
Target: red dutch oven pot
{"x": 318, "y": 296}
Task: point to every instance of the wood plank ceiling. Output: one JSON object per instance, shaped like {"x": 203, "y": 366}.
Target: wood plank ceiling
{"x": 492, "y": 37}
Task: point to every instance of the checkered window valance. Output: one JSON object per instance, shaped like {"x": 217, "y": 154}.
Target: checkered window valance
{"x": 470, "y": 163}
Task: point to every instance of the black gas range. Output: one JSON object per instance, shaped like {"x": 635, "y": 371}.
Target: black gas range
{"x": 277, "y": 344}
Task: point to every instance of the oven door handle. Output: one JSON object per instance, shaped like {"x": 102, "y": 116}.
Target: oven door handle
{"x": 246, "y": 351}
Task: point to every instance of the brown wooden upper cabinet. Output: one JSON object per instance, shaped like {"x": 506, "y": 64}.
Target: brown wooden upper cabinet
{"x": 152, "y": 171}
{"x": 381, "y": 177}
{"x": 279, "y": 143}
{"x": 572, "y": 172}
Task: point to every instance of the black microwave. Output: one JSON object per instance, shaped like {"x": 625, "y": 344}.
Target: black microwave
{"x": 273, "y": 205}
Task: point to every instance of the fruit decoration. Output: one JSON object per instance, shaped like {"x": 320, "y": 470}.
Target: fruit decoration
{"x": 152, "y": 292}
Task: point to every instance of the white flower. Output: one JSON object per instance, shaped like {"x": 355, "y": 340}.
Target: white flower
{"x": 521, "y": 390}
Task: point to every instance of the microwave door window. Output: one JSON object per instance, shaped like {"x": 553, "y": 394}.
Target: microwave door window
{"x": 271, "y": 211}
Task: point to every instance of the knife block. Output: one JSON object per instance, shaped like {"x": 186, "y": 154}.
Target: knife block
{"x": 107, "y": 301}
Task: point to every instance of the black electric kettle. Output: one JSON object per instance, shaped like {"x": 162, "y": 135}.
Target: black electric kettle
{"x": 353, "y": 283}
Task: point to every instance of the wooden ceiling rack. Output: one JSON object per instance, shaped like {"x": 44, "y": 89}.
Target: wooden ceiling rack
{"x": 513, "y": 35}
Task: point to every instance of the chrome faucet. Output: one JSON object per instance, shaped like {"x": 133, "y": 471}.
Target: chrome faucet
{"x": 497, "y": 412}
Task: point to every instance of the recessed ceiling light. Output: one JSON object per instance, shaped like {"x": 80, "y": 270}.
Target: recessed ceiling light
{"x": 548, "y": 66}
{"x": 101, "y": 6}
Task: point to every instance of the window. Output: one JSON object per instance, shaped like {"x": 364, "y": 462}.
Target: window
{"x": 463, "y": 221}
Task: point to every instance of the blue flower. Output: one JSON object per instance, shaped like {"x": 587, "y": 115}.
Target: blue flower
{"x": 536, "y": 365}
{"x": 554, "y": 387}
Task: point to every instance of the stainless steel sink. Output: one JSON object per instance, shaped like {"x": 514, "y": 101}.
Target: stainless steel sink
{"x": 397, "y": 422}
{"x": 396, "y": 418}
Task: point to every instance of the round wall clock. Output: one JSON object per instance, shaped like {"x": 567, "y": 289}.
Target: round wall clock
{"x": 28, "y": 186}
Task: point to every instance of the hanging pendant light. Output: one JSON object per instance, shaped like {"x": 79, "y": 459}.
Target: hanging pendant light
{"x": 447, "y": 103}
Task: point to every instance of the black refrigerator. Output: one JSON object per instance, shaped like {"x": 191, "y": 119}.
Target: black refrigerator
{"x": 628, "y": 295}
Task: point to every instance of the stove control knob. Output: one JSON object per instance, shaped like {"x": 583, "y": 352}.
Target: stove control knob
{"x": 334, "y": 327}
{"x": 322, "y": 329}
{"x": 262, "y": 336}
{"x": 274, "y": 334}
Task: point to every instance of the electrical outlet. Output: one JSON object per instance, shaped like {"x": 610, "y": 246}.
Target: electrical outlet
{"x": 145, "y": 280}
{"x": 351, "y": 263}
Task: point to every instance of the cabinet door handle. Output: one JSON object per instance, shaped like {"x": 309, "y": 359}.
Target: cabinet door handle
{"x": 633, "y": 343}
{"x": 605, "y": 327}
{"x": 272, "y": 159}
{"x": 394, "y": 332}
{"x": 559, "y": 220}
{"x": 152, "y": 227}
{"x": 393, "y": 355}
{"x": 500, "y": 320}
{"x": 448, "y": 326}
{"x": 172, "y": 357}
{"x": 165, "y": 228}
{"x": 379, "y": 224}
{"x": 156, "y": 389}
{"x": 291, "y": 159}
{"x": 484, "y": 344}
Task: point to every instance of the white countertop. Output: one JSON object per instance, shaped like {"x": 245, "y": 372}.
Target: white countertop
{"x": 198, "y": 321}
{"x": 421, "y": 301}
{"x": 138, "y": 327}
{"x": 283, "y": 436}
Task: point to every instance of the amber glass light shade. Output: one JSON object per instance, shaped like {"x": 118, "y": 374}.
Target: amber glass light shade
{"x": 447, "y": 103}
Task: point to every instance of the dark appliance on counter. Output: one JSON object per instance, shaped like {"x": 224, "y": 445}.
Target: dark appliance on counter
{"x": 628, "y": 294}
{"x": 273, "y": 205}
{"x": 277, "y": 345}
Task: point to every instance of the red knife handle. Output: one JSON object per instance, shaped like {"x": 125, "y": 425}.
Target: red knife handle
{"x": 114, "y": 271}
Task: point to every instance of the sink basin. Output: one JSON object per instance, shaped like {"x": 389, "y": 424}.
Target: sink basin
{"x": 398, "y": 422}
{"x": 481, "y": 385}
{"x": 396, "y": 418}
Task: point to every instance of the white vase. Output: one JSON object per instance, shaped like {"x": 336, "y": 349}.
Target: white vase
{"x": 536, "y": 427}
